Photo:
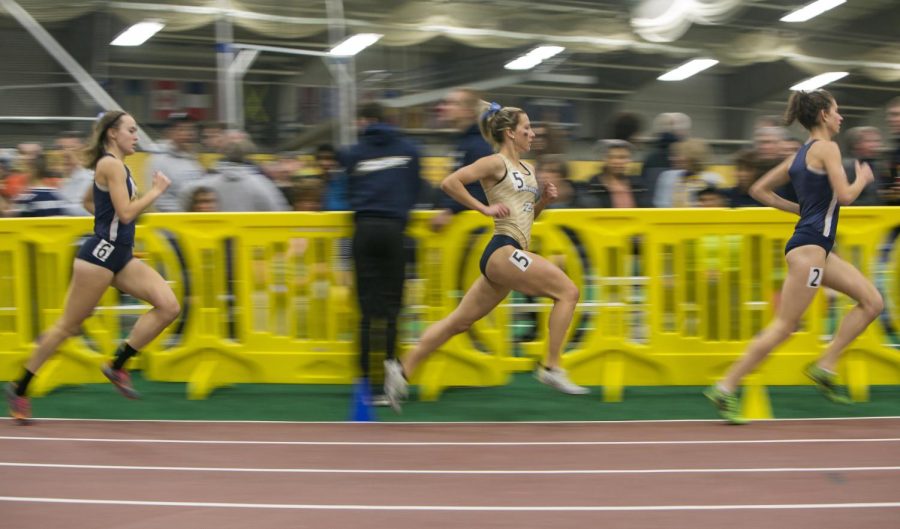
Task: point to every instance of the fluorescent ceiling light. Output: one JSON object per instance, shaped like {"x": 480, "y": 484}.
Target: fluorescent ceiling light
{"x": 534, "y": 57}
{"x": 819, "y": 81}
{"x": 137, "y": 34}
{"x": 811, "y": 10}
{"x": 355, "y": 44}
{"x": 542, "y": 53}
{"x": 688, "y": 69}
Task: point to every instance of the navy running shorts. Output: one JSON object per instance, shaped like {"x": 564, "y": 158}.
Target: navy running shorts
{"x": 103, "y": 253}
{"x": 496, "y": 242}
{"x": 805, "y": 237}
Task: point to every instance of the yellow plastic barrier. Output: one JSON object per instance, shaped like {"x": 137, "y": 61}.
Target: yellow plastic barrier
{"x": 669, "y": 297}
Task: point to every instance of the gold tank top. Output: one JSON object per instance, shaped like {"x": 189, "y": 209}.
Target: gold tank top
{"x": 518, "y": 190}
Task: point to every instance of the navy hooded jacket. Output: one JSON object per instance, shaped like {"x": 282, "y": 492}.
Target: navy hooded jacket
{"x": 383, "y": 173}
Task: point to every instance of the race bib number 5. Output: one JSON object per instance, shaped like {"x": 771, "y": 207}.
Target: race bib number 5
{"x": 103, "y": 250}
{"x": 520, "y": 259}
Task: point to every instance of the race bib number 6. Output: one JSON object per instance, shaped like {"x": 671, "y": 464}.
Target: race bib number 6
{"x": 103, "y": 250}
{"x": 520, "y": 259}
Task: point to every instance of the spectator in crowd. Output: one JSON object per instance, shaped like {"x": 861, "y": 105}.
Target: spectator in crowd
{"x": 548, "y": 141}
{"x": 864, "y": 146}
{"x": 284, "y": 171}
{"x": 77, "y": 180}
{"x": 712, "y": 197}
{"x": 213, "y": 136}
{"x": 891, "y": 193}
{"x": 677, "y": 187}
{"x": 552, "y": 169}
{"x": 203, "y": 200}
{"x": 789, "y": 146}
{"x": 460, "y": 111}
{"x": 746, "y": 173}
{"x": 670, "y": 128}
{"x": 178, "y": 161}
{"x": 40, "y": 199}
{"x": 308, "y": 194}
{"x": 335, "y": 194}
{"x": 626, "y": 126}
{"x": 239, "y": 184}
{"x": 613, "y": 187}
{"x": 19, "y": 167}
{"x": 384, "y": 182}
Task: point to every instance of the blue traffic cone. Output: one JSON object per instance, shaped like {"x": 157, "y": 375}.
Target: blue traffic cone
{"x": 361, "y": 407}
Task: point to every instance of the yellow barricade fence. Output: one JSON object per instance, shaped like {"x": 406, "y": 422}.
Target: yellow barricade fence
{"x": 669, "y": 297}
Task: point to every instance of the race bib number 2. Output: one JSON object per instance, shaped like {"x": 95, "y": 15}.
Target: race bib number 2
{"x": 520, "y": 259}
{"x": 815, "y": 277}
{"x": 103, "y": 250}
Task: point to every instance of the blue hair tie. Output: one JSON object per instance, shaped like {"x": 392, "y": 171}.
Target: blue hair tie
{"x": 493, "y": 109}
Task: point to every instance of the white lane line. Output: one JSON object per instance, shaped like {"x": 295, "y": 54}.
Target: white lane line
{"x": 449, "y": 443}
{"x": 503, "y": 508}
{"x": 454, "y": 472}
{"x": 452, "y": 423}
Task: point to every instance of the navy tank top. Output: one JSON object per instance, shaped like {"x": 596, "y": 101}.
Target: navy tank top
{"x": 819, "y": 207}
{"x": 107, "y": 225}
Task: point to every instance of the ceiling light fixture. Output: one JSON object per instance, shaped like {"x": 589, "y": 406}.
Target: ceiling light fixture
{"x": 355, "y": 44}
{"x": 818, "y": 81}
{"x": 534, "y": 57}
{"x": 811, "y": 10}
{"x": 688, "y": 69}
{"x": 138, "y": 33}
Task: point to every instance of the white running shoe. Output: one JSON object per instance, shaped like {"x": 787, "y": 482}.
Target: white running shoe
{"x": 396, "y": 388}
{"x": 557, "y": 379}
{"x": 380, "y": 401}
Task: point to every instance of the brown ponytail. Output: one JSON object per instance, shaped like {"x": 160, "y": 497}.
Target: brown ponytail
{"x": 97, "y": 144}
{"x": 806, "y": 106}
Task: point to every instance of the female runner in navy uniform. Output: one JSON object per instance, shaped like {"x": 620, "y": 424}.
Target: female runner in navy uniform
{"x": 106, "y": 260}
{"x": 822, "y": 187}
{"x": 514, "y": 201}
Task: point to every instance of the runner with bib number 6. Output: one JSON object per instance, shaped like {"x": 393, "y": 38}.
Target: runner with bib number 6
{"x": 515, "y": 199}
{"x": 106, "y": 259}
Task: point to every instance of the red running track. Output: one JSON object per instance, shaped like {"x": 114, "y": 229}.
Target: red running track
{"x": 692, "y": 474}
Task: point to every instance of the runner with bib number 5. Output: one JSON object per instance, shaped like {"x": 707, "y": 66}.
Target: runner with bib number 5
{"x": 105, "y": 260}
{"x": 515, "y": 199}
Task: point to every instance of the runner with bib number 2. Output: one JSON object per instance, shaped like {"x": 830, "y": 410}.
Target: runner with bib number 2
{"x": 818, "y": 176}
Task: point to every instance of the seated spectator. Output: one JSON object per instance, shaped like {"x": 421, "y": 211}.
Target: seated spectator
{"x": 335, "y": 195}
{"x": 308, "y": 194}
{"x": 553, "y": 170}
{"x": 77, "y": 180}
{"x": 613, "y": 187}
{"x": 670, "y": 128}
{"x": 203, "y": 200}
{"x": 677, "y": 188}
{"x": 239, "y": 184}
{"x": 712, "y": 197}
{"x": 864, "y": 146}
{"x": 746, "y": 173}
{"x": 39, "y": 199}
{"x": 284, "y": 172}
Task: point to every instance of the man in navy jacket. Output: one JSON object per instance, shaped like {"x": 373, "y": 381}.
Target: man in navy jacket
{"x": 384, "y": 181}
